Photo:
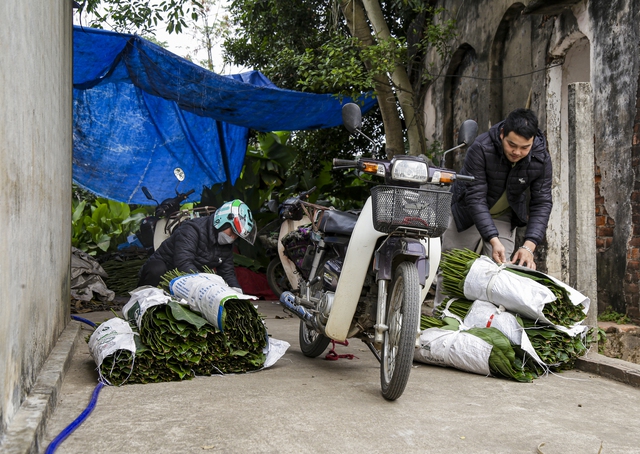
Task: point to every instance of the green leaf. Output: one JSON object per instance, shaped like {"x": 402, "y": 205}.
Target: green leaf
{"x": 182, "y": 313}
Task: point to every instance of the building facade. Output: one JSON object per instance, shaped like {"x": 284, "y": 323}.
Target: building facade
{"x": 516, "y": 54}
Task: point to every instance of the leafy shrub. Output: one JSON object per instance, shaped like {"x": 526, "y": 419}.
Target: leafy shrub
{"x": 100, "y": 224}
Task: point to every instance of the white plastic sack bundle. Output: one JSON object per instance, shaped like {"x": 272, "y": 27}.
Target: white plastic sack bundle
{"x": 274, "y": 351}
{"x": 141, "y": 300}
{"x": 457, "y": 349}
{"x": 113, "y": 335}
{"x": 488, "y": 281}
{"x": 485, "y": 315}
{"x": 206, "y": 293}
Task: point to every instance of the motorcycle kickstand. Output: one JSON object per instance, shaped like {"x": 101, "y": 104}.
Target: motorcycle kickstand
{"x": 373, "y": 350}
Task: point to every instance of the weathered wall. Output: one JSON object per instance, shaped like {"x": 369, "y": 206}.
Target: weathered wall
{"x": 504, "y": 42}
{"x": 615, "y": 63}
{"x": 35, "y": 189}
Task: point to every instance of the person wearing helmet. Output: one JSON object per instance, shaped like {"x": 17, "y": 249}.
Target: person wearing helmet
{"x": 200, "y": 242}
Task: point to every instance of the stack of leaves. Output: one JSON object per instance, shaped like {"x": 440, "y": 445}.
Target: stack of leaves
{"x": 554, "y": 347}
{"x": 561, "y": 311}
{"x": 120, "y": 368}
{"x": 176, "y": 343}
{"x": 504, "y": 360}
{"x": 244, "y": 330}
{"x": 122, "y": 275}
{"x": 457, "y": 263}
{"x": 426, "y": 322}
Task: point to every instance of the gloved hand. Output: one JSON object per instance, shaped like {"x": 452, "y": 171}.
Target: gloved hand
{"x": 237, "y": 289}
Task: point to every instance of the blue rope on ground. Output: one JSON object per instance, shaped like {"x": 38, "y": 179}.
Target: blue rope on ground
{"x": 80, "y": 319}
{"x": 71, "y": 427}
{"x": 94, "y": 399}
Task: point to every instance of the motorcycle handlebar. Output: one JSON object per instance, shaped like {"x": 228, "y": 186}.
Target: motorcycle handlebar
{"x": 465, "y": 177}
{"x": 189, "y": 193}
{"x": 344, "y": 163}
{"x": 306, "y": 194}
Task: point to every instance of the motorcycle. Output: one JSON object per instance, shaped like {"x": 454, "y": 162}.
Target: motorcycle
{"x": 168, "y": 215}
{"x": 280, "y": 274}
{"x": 365, "y": 275}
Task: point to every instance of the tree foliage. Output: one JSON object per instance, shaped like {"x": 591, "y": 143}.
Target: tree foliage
{"x": 141, "y": 16}
{"x": 348, "y": 47}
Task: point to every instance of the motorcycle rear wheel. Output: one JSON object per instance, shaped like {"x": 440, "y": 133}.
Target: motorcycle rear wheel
{"x": 277, "y": 278}
{"x": 403, "y": 316}
{"x": 313, "y": 343}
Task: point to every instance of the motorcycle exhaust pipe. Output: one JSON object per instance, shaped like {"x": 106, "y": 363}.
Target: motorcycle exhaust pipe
{"x": 288, "y": 300}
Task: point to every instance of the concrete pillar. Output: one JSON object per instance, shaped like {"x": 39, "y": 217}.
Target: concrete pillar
{"x": 582, "y": 228}
{"x": 557, "y": 232}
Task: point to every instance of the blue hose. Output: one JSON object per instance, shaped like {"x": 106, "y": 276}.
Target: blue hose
{"x": 94, "y": 399}
{"x": 80, "y": 319}
{"x": 71, "y": 427}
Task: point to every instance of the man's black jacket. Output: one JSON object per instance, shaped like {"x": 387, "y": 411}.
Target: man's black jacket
{"x": 493, "y": 174}
{"x": 194, "y": 245}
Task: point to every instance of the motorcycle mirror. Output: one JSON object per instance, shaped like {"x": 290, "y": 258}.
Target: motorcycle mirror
{"x": 352, "y": 117}
{"x": 146, "y": 193}
{"x": 179, "y": 173}
{"x": 468, "y": 132}
{"x": 466, "y": 135}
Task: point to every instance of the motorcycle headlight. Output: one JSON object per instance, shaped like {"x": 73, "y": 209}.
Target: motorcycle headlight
{"x": 410, "y": 170}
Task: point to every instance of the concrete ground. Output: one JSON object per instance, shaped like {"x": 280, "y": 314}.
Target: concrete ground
{"x": 303, "y": 405}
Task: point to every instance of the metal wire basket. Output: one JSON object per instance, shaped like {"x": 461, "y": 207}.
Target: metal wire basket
{"x": 427, "y": 210}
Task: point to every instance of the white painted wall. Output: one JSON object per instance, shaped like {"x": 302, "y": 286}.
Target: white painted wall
{"x": 35, "y": 189}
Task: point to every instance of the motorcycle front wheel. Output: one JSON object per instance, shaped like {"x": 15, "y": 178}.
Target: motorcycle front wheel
{"x": 403, "y": 316}
{"x": 277, "y": 278}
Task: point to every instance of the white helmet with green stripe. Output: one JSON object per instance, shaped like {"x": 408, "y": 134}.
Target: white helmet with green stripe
{"x": 238, "y": 216}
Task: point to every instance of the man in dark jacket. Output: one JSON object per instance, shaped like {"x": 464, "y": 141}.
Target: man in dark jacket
{"x": 200, "y": 242}
{"x": 505, "y": 161}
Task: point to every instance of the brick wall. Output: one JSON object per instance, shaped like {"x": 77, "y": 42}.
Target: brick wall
{"x": 632, "y": 274}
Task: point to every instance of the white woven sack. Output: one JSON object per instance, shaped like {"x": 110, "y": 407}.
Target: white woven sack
{"x": 206, "y": 293}
{"x": 141, "y": 300}
{"x": 113, "y": 335}
{"x": 488, "y": 281}
{"x": 457, "y": 349}
{"x": 483, "y": 314}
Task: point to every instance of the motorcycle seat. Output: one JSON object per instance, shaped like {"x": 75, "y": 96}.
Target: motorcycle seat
{"x": 337, "y": 222}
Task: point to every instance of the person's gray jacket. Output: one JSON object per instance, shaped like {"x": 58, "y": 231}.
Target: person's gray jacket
{"x": 194, "y": 245}
{"x": 493, "y": 174}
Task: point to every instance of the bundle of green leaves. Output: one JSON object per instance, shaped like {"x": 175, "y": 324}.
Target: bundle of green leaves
{"x": 175, "y": 343}
{"x": 555, "y": 348}
{"x": 457, "y": 263}
{"x": 504, "y": 360}
{"x": 122, "y": 275}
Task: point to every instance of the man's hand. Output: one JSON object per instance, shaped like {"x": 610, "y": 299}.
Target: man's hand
{"x": 499, "y": 253}
{"x": 524, "y": 255}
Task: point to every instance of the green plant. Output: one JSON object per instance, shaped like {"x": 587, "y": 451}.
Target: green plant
{"x": 609, "y": 315}
{"x": 99, "y": 224}
{"x": 268, "y": 174}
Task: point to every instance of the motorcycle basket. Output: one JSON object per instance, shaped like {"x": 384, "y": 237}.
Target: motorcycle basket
{"x": 427, "y": 210}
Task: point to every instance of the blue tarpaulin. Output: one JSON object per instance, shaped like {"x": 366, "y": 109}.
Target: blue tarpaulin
{"x": 139, "y": 111}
